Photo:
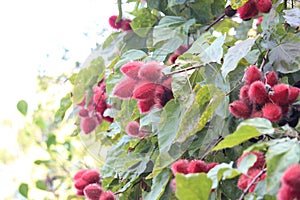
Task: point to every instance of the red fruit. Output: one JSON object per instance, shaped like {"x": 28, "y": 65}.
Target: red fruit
{"x": 145, "y": 91}
{"x": 173, "y": 185}
{"x": 133, "y": 128}
{"x": 291, "y": 176}
{"x": 257, "y": 93}
{"x": 124, "y": 89}
{"x": 151, "y": 71}
{"x": 287, "y": 193}
{"x": 252, "y": 173}
{"x": 79, "y": 193}
{"x": 181, "y": 50}
{"x": 272, "y": 112}
{"x": 91, "y": 176}
{"x": 248, "y": 10}
{"x": 173, "y": 57}
{"x": 260, "y": 159}
{"x": 143, "y": 133}
{"x": 162, "y": 96}
{"x": 252, "y": 74}
{"x": 126, "y": 25}
{"x": 131, "y": 69}
{"x": 197, "y": 166}
{"x": 239, "y": 109}
{"x": 93, "y": 191}
{"x": 83, "y": 113}
{"x": 88, "y": 124}
{"x": 280, "y": 94}
{"x": 293, "y": 94}
{"x": 271, "y": 79}
{"x": 108, "y": 119}
{"x": 211, "y": 165}
{"x": 244, "y": 94}
{"x": 264, "y": 6}
{"x": 256, "y": 113}
{"x": 167, "y": 82}
{"x": 180, "y": 166}
{"x": 242, "y": 182}
{"x": 112, "y": 22}
{"x": 259, "y": 20}
{"x": 285, "y": 109}
{"x": 146, "y": 105}
{"x": 79, "y": 174}
{"x": 108, "y": 195}
{"x": 80, "y": 184}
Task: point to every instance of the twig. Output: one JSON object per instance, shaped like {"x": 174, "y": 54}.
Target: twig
{"x": 184, "y": 70}
{"x": 214, "y": 144}
{"x": 264, "y": 60}
{"x": 245, "y": 192}
{"x": 213, "y": 23}
{"x": 228, "y": 93}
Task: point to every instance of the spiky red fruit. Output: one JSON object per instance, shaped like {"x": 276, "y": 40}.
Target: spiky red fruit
{"x": 180, "y": 166}
{"x": 145, "y": 91}
{"x": 162, "y": 96}
{"x": 124, "y": 89}
{"x": 239, "y": 109}
{"x": 291, "y": 176}
{"x": 272, "y": 112}
{"x": 151, "y": 71}
{"x": 248, "y": 10}
{"x": 91, "y": 176}
{"x": 271, "y": 78}
{"x": 173, "y": 57}
{"x": 133, "y": 128}
{"x": 252, "y": 173}
{"x": 242, "y": 182}
{"x": 211, "y": 165}
{"x": 126, "y": 25}
{"x": 131, "y": 69}
{"x": 93, "y": 191}
{"x": 79, "y": 173}
{"x": 146, "y": 105}
{"x": 280, "y": 94}
{"x": 79, "y": 193}
{"x": 252, "y": 74}
{"x": 83, "y": 113}
{"x": 287, "y": 193}
{"x": 113, "y": 22}
{"x": 80, "y": 184}
{"x": 88, "y": 124}
{"x": 257, "y": 93}
{"x": 264, "y": 6}
{"x": 260, "y": 159}
{"x": 108, "y": 195}
{"x": 197, "y": 166}
{"x": 293, "y": 94}
{"x": 244, "y": 94}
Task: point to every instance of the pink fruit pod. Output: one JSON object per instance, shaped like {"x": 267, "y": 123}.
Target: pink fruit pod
{"x": 180, "y": 166}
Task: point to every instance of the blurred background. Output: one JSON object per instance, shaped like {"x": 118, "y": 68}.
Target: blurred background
{"x": 42, "y": 42}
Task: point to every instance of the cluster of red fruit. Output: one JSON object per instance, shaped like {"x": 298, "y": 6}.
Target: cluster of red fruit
{"x": 252, "y": 7}
{"x": 133, "y": 129}
{"x": 88, "y": 184}
{"x": 92, "y": 114}
{"x": 123, "y": 24}
{"x": 184, "y": 166}
{"x": 290, "y": 184}
{"x": 146, "y": 83}
{"x": 246, "y": 179}
{"x": 263, "y": 97}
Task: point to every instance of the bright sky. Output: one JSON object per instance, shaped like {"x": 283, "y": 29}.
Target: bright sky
{"x": 33, "y": 36}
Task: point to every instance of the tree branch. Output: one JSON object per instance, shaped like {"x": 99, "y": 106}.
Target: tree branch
{"x": 213, "y": 23}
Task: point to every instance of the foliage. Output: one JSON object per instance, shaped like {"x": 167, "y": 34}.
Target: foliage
{"x": 195, "y": 123}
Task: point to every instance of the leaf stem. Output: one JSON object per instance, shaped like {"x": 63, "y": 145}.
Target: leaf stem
{"x": 246, "y": 191}
{"x": 185, "y": 70}
{"x": 261, "y": 67}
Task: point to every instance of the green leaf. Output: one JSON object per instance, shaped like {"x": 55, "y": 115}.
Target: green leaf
{"x": 235, "y": 4}
{"x": 214, "y": 52}
{"x": 292, "y": 17}
{"x": 65, "y": 104}
{"x": 171, "y": 27}
{"x": 23, "y": 189}
{"x": 283, "y": 153}
{"x": 159, "y": 184}
{"x": 179, "y": 2}
{"x": 143, "y": 22}
{"x": 193, "y": 186}
{"x": 246, "y": 130}
{"x": 285, "y": 57}
{"x": 41, "y": 184}
{"x": 130, "y": 55}
{"x": 22, "y": 107}
{"x": 51, "y": 140}
{"x": 235, "y": 54}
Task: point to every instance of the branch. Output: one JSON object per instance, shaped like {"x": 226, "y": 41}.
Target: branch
{"x": 264, "y": 60}
{"x": 212, "y": 146}
{"x": 213, "y": 23}
{"x": 185, "y": 69}
{"x": 246, "y": 191}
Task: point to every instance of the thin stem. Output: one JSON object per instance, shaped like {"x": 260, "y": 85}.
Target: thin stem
{"x": 214, "y": 144}
{"x": 214, "y": 22}
{"x": 238, "y": 85}
{"x": 184, "y": 70}
{"x": 245, "y": 192}
{"x": 264, "y": 60}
